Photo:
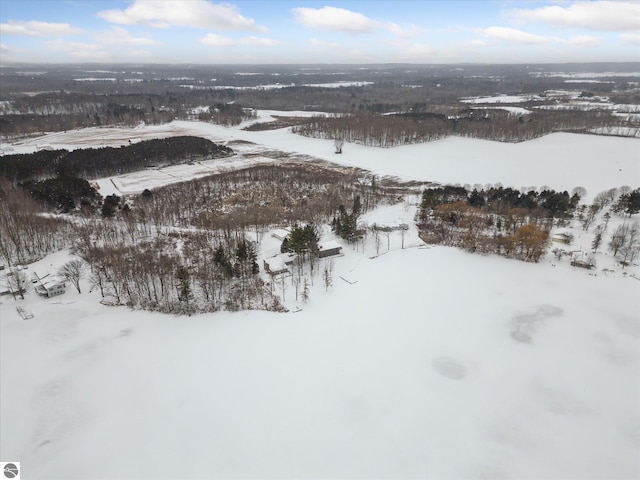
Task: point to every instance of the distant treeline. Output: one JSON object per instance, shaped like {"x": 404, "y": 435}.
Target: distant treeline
{"x": 390, "y": 130}
{"x": 103, "y": 162}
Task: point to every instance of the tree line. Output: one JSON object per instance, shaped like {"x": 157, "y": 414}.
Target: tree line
{"x": 389, "y": 130}
{"x": 90, "y": 163}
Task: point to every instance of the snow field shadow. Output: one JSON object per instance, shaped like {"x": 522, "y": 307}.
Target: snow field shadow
{"x": 524, "y": 326}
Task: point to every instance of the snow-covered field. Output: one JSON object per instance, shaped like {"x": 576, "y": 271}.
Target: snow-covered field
{"x": 502, "y": 98}
{"x": 560, "y": 161}
{"x": 417, "y": 363}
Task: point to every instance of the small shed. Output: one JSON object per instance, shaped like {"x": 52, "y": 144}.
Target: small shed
{"x": 562, "y": 237}
{"x": 329, "y": 248}
{"x": 280, "y": 233}
{"x": 582, "y": 260}
{"x": 390, "y": 226}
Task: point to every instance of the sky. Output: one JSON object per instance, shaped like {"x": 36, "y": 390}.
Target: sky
{"x": 295, "y": 32}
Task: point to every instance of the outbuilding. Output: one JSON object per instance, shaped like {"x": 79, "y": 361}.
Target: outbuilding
{"x": 582, "y": 260}
{"x": 329, "y": 248}
{"x": 562, "y": 237}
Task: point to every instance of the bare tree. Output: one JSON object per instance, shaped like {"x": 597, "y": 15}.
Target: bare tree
{"x": 580, "y": 191}
{"x": 597, "y": 240}
{"x": 305, "y": 290}
{"x": 327, "y": 275}
{"x": 18, "y": 283}
{"x": 631, "y": 247}
{"x": 73, "y": 271}
{"x": 619, "y": 238}
{"x": 589, "y": 216}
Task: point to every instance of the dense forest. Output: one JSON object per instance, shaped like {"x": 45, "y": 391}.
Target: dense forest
{"x": 91, "y": 163}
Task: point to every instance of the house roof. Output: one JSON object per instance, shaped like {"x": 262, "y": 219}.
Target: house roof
{"x": 582, "y": 257}
{"x": 280, "y": 233}
{"x": 329, "y": 245}
{"x": 275, "y": 264}
{"x": 278, "y": 263}
{"x": 52, "y": 282}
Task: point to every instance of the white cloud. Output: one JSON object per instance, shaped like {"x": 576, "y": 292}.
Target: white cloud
{"x": 79, "y": 50}
{"x": 192, "y": 13}
{"x": 216, "y": 40}
{"x": 630, "y": 38}
{"x": 407, "y": 31}
{"x": 512, "y": 35}
{"x": 346, "y": 21}
{"x": 598, "y": 15}
{"x": 4, "y": 48}
{"x": 477, "y": 43}
{"x": 337, "y": 19}
{"x": 324, "y": 44}
{"x": 142, "y": 54}
{"x": 258, "y": 41}
{"x": 357, "y": 55}
{"x": 118, "y": 35}
{"x": 38, "y": 29}
{"x": 583, "y": 41}
{"x": 417, "y": 53}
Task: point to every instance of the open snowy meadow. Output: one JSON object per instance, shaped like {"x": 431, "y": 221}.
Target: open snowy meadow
{"x": 415, "y": 362}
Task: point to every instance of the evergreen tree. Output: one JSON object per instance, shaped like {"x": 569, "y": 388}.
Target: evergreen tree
{"x": 109, "y": 205}
{"x": 184, "y": 284}
{"x": 345, "y": 225}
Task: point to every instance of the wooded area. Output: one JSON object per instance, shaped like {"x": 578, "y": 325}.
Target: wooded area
{"x": 184, "y": 248}
{"x": 91, "y": 163}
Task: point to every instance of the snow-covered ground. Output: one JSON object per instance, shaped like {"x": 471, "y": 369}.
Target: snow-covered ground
{"x": 418, "y": 362}
{"x": 502, "y": 98}
{"x": 560, "y": 161}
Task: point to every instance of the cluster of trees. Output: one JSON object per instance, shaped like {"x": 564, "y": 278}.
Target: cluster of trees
{"x": 498, "y": 220}
{"x": 227, "y": 114}
{"x": 415, "y": 127}
{"x": 255, "y": 198}
{"x": 183, "y": 247}
{"x": 628, "y": 202}
{"x": 545, "y": 203}
{"x": 390, "y": 130}
{"x": 202, "y": 276}
{"x": 25, "y": 234}
{"x": 215, "y": 266}
{"x": 345, "y": 225}
{"x": 103, "y": 162}
{"x": 302, "y": 240}
{"x": 63, "y": 193}
{"x": 625, "y": 242}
